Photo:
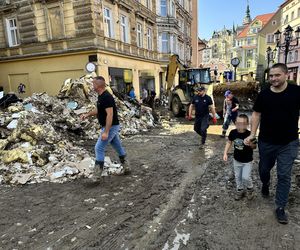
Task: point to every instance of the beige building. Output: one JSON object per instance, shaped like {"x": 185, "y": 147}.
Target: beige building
{"x": 246, "y": 46}
{"x": 218, "y": 53}
{"x": 290, "y": 13}
{"x": 174, "y": 24}
{"x": 42, "y": 43}
{"x": 266, "y": 40}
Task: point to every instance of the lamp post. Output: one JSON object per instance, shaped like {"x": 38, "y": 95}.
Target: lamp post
{"x": 271, "y": 54}
{"x": 289, "y": 41}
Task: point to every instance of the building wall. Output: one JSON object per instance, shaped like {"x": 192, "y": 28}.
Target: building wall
{"x": 45, "y": 58}
{"x": 49, "y": 73}
{"x": 194, "y": 34}
{"x": 246, "y": 49}
{"x": 177, "y": 24}
{"x": 264, "y": 41}
{"x": 218, "y": 55}
{"x": 291, "y": 16}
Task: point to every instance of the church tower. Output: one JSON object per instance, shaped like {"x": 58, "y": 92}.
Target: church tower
{"x": 247, "y": 20}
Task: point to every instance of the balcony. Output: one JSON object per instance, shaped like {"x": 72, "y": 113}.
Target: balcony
{"x": 117, "y": 46}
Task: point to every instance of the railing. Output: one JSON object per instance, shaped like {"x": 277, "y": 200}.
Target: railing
{"x": 129, "y": 49}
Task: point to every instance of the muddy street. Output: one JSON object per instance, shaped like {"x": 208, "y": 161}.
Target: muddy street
{"x": 176, "y": 197}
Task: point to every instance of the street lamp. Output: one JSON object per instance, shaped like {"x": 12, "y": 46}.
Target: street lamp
{"x": 289, "y": 42}
{"x": 271, "y": 54}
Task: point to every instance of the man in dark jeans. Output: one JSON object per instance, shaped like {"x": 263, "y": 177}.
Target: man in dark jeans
{"x": 202, "y": 103}
{"x": 277, "y": 111}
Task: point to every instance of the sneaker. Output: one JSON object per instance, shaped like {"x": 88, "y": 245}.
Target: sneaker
{"x": 281, "y": 216}
{"x": 265, "y": 191}
{"x": 239, "y": 195}
{"x": 250, "y": 193}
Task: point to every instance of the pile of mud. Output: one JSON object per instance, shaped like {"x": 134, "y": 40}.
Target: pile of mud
{"x": 40, "y": 137}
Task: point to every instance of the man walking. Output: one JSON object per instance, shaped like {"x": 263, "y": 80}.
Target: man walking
{"x": 230, "y": 110}
{"x": 202, "y": 104}
{"x": 107, "y": 115}
{"x": 277, "y": 111}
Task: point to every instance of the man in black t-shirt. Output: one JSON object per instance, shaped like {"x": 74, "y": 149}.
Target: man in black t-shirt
{"x": 277, "y": 111}
{"x": 107, "y": 115}
{"x": 202, "y": 103}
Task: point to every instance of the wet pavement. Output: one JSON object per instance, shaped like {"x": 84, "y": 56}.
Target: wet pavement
{"x": 177, "y": 197}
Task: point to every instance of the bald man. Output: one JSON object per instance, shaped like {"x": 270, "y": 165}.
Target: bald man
{"x": 107, "y": 115}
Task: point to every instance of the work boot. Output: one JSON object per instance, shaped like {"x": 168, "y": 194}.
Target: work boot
{"x": 125, "y": 164}
{"x": 250, "y": 193}
{"x": 281, "y": 215}
{"x": 202, "y": 146}
{"x": 265, "y": 191}
{"x": 98, "y": 169}
{"x": 239, "y": 194}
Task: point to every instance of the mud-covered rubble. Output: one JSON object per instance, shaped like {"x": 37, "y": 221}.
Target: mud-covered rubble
{"x": 40, "y": 138}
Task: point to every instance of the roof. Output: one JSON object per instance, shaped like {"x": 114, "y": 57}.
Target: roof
{"x": 285, "y": 3}
{"x": 263, "y": 18}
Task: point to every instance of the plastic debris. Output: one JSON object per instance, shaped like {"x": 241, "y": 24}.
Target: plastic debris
{"x": 42, "y": 138}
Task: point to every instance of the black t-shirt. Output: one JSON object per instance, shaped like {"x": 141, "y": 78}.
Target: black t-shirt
{"x": 202, "y": 104}
{"x": 279, "y": 115}
{"x": 242, "y": 152}
{"x": 105, "y": 101}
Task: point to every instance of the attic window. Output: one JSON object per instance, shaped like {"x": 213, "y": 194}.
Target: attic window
{"x": 274, "y": 23}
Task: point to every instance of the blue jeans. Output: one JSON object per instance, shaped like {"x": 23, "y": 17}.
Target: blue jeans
{"x": 285, "y": 156}
{"x": 113, "y": 139}
{"x": 242, "y": 173}
{"x": 201, "y": 125}
{"x": 228, "y": 118}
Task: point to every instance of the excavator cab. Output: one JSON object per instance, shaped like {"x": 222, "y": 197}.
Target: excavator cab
{"x": 181, "y": 96}
{"x": 181, "y": 93}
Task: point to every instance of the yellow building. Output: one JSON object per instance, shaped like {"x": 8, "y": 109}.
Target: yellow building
{"x": 290, "y": 12}
{"x": 42, "y": 43}
{"x": 246, "y": 46}
{"x": 266, "y": 40}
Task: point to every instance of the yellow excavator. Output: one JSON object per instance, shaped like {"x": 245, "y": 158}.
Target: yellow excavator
{"x": 181, "y": 94}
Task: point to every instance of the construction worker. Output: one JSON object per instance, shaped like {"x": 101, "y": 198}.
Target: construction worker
{"x": 230, "y": 111}
{"x": 276, "y": 110}
{"x": 202, "y": 104}
{"x": 107, "y": 115}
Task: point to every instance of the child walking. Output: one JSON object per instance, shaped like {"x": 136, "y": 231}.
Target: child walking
{"x": 243, "y": 157}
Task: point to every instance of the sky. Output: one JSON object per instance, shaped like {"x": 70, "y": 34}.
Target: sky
{"x": 214, "y": 14}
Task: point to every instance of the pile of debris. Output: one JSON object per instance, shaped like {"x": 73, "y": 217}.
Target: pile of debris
{"x": 246, "y": 92}
{"x": 37, "y": 136}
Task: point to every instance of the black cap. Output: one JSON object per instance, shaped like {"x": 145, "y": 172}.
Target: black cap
{"x": 200, "y": 88}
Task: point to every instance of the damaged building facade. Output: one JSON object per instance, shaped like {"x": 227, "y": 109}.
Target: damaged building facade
{"x": 44, "y": 42}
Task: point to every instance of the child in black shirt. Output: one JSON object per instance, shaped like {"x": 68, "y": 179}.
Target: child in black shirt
{"x": 243, "y": 157}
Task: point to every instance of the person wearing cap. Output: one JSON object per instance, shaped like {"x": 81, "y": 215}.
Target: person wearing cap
{"x": 230, "y": 111}
{"x": 202, "y": 104}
